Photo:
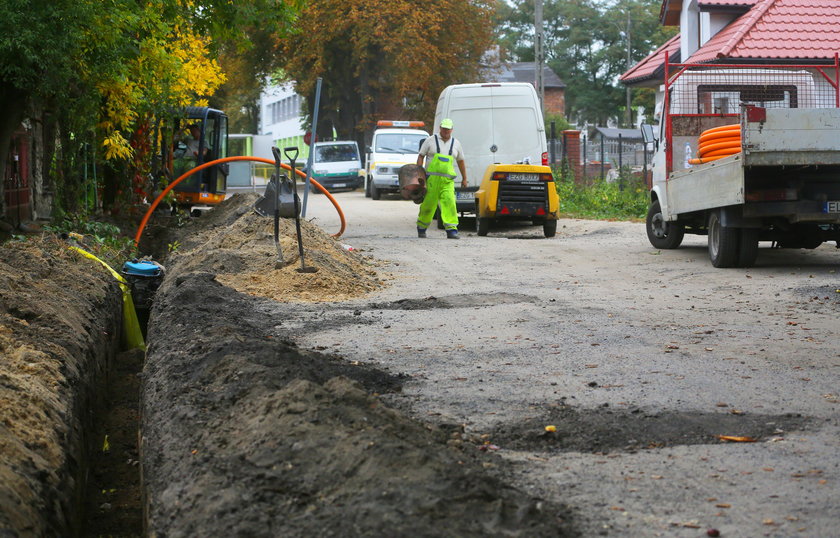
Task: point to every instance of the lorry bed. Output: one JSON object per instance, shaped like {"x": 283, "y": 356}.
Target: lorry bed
{"x": 789, "y": 166}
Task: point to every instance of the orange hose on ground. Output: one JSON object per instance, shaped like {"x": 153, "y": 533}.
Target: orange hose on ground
{"x": 188, "y": 173}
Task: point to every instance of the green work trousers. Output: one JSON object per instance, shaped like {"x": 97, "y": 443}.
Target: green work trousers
{"x": 439, "y": 190}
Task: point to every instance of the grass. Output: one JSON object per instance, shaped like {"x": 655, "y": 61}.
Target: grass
{"x": 627, "y": 200}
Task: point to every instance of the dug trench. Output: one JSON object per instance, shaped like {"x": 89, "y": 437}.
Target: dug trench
{"x": 243, "y": 432}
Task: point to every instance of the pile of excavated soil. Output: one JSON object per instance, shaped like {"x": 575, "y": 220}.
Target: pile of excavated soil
{"x": 237, "y": 245}
{"x": 245, "y": 434}
{"x": 59, "y": 329}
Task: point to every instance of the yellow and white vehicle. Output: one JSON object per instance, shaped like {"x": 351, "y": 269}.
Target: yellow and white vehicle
{"x": 395, "y": 144}
{"x": 517, "y": 191}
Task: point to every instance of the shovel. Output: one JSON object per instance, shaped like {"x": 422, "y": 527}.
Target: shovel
{"x": 291, "y": 154}
{"x": 276, "y": 179}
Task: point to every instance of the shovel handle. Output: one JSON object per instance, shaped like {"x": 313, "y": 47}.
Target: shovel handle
{"x": 277, "y": 157}
{"x": 291, "y": 153}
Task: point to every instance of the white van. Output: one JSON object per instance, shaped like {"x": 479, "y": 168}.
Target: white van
{"x": 395, "y": 143}
{"x": 336, "y": 165}
{"x": 496, "y": 123}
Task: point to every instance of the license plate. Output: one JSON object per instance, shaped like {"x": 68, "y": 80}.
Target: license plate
{"x": 831, "y": 207}
{"x": 525, "y": 178}
{"x": 465, "y": 195}
{"x": 339, "y": 185}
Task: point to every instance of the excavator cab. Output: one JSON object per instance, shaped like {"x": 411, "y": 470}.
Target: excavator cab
{"x": 200, "y": 136}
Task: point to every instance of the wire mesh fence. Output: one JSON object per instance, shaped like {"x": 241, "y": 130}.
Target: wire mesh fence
{"x": 726, "y": 91}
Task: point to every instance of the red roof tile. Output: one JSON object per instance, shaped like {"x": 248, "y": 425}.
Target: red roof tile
{"x": 726, "y": 3}
{"x": 778, "y": 30}
{"x": 653, "y": 63}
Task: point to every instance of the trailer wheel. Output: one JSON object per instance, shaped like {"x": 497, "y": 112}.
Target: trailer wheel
{"x": 482, "y": 225}
{"x": 748, "y": 247}
{"x": 549, "y": 228}
{"x": 661, "y": 234}
{"x": 723, "y": 242}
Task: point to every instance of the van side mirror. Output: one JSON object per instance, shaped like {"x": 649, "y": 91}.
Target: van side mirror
{"x": 368, "y": 150}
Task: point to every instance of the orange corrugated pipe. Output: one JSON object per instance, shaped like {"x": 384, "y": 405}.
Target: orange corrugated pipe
{"x": 717, "y": 143}
{"x": 187, "y": 174}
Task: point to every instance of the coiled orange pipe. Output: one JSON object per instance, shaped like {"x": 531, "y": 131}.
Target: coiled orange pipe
{"x": 187, "y": 174}
{"x": 717, "y": 143}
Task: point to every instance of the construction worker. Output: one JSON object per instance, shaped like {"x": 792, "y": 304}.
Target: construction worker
{"x": 440, "y": 153}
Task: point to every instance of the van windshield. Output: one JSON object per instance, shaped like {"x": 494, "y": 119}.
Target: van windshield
{"x": 399, "y": 143}
{"x": 336, "y": 153}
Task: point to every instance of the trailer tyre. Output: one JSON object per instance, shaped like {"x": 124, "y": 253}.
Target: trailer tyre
{"x": 550, "y": 228}
{"x": 724, "y": 242}
{"x": 748, "y": 247}
{"x": 661, "y": 234}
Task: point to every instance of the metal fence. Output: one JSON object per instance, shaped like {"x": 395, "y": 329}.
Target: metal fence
{"x": 602, "y": 158}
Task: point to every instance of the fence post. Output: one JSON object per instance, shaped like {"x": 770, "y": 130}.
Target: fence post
{"x": 553, "y": 143}
{"x": 620, "y": 163}
{"x": 563, "y": 160}
{"x": 585, "y": 162}
{"x": 602, "y": 156}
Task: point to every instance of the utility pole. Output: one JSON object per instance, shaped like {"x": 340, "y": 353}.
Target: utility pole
{"x": 538, "y": 51}
{"x": 628, "y": 113}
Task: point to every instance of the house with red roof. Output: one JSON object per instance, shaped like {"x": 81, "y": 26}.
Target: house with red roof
{"x": 778, "y": 32}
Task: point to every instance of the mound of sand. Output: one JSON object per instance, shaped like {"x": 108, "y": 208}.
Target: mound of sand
{"x": 237, "y": 244}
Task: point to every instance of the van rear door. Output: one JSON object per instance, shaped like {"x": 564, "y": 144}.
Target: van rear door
{"x": 517, "y": 129}
{"x": 470, "y": 109}
{"x": 496, "y": 123}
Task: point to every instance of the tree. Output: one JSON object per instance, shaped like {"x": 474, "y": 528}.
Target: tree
{"x": 587, "y": 43}
{"x": 384, "y": 57}
{"x": 249, "y": 50}
{"x": 33, "y": 56}
{"x": 103, "y": 72}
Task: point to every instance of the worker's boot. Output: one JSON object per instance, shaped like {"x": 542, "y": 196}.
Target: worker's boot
{"x": 421, "y": 232}
{"x": 452, "y": 234}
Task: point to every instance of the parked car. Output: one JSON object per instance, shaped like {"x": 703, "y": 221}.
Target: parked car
{"x": 336, "y": 165}
{"x": 395, "y": 144}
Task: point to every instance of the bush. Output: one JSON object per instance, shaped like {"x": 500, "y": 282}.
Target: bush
{"x": 626, "y": 199}
{"x": 104, "y": 240}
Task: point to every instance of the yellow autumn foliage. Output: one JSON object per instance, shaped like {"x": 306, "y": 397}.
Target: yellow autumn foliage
{"x": 173, "y": 70}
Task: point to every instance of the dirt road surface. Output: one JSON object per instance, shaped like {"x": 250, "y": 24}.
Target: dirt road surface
{"x": 638, "y": 358}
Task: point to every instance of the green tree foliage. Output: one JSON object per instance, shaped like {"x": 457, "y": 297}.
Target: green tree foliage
{"x": 99, "y": 73}
{"x": 384, "y": 57}
{"x": 33, "y": 53}
{"x": 249, "y": 50}
{"x": 586, "y": 43}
